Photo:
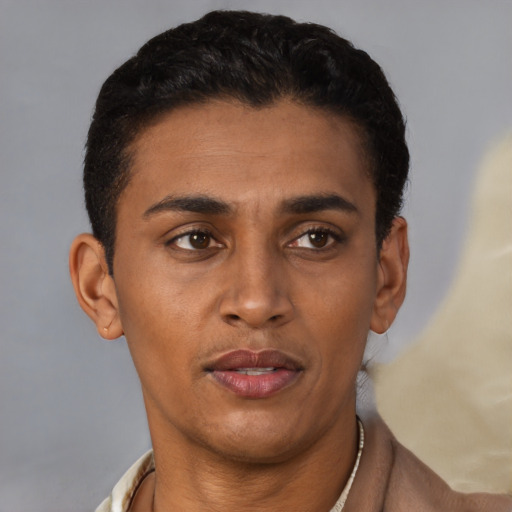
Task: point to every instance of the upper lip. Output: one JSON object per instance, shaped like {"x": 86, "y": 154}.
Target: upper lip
{"x": 244, "y": 358}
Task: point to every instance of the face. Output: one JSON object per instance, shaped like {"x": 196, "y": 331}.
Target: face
{"x": 246, "y": 276}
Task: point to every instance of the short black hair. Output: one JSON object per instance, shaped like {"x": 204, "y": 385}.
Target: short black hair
{"x": 256, "y": 59}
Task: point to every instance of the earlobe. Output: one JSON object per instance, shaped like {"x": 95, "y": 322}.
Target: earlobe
{"x": 94, "y": 287}
{"x": 392, "y": 276}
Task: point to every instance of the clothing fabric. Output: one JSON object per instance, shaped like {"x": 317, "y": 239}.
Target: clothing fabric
{"x": 389, "y": 479}
{"x": 459, "y": 366}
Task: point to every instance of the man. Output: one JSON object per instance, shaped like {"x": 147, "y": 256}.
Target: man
{"x": 244, "y": 178}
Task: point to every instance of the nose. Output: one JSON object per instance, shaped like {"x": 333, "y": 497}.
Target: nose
{"x": 256, "y": 291}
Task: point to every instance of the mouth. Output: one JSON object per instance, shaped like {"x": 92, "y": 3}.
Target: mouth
{"x": 255, "y": 375}
{"x": 255, "y": 371}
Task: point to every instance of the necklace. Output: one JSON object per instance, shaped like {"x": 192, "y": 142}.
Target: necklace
{"x": 344, "y": 495}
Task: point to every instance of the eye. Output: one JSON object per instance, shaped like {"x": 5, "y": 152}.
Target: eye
{"x": 316, "y": 239}
{"x": 195, "y": 241}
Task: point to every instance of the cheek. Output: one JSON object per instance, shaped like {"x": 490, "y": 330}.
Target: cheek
{"x": 343, "y": 297}
{"x": 339, "y": 314}
{"x": 155, "y": 292}
{"x": 157, "y": 319}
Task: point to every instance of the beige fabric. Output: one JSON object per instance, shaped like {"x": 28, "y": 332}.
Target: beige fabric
{"x": 392, "y": 479}
{"x": 389, "y": 479}
{"x": 449, "y": 398}
{"x": 121, "y": 496}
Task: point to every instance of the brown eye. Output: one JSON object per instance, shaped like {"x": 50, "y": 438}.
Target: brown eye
{"x": 199, "y": 240}
{"x": 318, "y": 239}
{"x": 195, "y": 241}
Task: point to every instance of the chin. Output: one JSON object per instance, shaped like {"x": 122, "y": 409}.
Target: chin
{"x": 257, "y": 441}
{"x": 260, "y": 451}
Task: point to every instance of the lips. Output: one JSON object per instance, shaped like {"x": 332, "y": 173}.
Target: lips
{"x": 254, "y": 375}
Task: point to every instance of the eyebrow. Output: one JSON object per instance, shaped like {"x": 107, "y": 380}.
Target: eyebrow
{"x": 316, "y": 203}
{"x": 195, "y": 204}
{"x": 210, "y": 206}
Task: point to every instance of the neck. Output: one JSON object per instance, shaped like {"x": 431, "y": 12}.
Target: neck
{"x": 191, "y": 477}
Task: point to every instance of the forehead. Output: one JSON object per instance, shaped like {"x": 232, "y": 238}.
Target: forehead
{"x": 240, "y": 152}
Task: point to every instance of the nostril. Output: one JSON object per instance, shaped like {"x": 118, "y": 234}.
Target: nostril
{"x": 233, "y": 317}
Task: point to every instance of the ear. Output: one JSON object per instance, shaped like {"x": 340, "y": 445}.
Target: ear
{"x": 94, "y": 286}
{"x": 392, "y": 276}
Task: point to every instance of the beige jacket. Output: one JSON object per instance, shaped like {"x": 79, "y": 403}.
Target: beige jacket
{"x": 389, "y": 479}
{"x": 392, "y": 479}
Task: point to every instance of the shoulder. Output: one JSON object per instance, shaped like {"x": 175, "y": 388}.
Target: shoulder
{"x": 414, "y": 486}
{"x": 392, "y": 479}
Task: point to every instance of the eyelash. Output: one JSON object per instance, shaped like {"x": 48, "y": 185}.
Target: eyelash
{"x": 201, "y": 232}
{"x": 337, "y": 237}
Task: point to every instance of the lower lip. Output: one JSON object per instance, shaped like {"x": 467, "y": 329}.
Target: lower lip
{"x": 255, "y": 386}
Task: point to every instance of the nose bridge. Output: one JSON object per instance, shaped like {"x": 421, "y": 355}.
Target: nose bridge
{"x": 256, "y": 294}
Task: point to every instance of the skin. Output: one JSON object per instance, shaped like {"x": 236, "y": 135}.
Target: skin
{"x": 262, "y": 274}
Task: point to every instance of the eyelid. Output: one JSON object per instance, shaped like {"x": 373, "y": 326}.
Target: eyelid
{"x": 336, "y": 234}
{"x": 191, "y": 231}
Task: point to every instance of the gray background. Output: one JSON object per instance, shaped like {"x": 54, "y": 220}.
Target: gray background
{"x": 72, "y": 418}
